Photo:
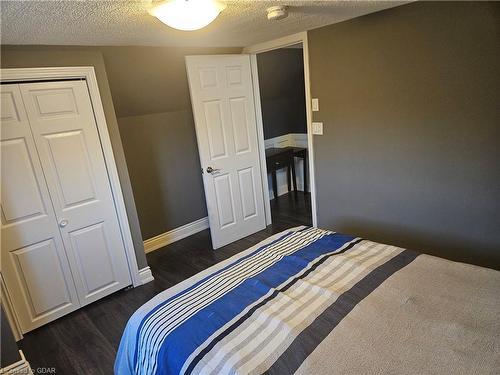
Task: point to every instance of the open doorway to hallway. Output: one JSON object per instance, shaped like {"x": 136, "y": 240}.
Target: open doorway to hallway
{"x": 283, "y": 104}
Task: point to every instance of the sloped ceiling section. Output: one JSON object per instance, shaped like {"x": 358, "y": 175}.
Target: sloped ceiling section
{"x": 116, "y": 23}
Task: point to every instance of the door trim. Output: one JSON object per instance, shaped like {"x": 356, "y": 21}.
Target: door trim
{"x": 88, "y": 73}
{"x": 20, "y": 367}
{"x": 253, "y": 50}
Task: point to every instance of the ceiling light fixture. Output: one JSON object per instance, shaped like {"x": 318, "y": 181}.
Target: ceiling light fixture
{"x": 188, "y": 14}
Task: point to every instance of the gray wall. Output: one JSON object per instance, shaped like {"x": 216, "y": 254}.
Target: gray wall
{"x": 281, "y": 84}
{"x": 164, "y": 168}
{"x": 410, "y": 154}
{"x": 40, "y": 56}
{"x": 151, "y": 96}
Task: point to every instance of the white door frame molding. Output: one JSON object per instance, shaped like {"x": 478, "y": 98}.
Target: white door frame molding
{"x": 88, "y": 73}
{"x": 268, "y": 46}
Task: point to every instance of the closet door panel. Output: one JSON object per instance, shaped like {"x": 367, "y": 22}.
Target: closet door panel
{"x": 47, "y": 293}
{"x": 75, "y": 182}
{"x": 21, "y": 196}
{"x": 34, "y": 263}
{"x": 65, "y": 132}
{"x": 93, "y": 253}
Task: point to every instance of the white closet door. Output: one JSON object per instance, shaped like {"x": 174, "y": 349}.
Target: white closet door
{"x": 65, "y": 133}
{"x": 34, "y": 263}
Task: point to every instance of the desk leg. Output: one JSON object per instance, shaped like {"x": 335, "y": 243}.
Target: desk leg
{"x": 305, "y": 173}
{"x": 294, "y": 179}
{"x": 275, "y": 185}
{"x": 288, "y": 177}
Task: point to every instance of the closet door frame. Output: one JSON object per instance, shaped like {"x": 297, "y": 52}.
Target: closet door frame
{"x": 139, "y": 277}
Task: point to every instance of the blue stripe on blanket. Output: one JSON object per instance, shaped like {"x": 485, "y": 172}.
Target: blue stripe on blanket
{"x": 182, "y": 341}
{"x": 197, "y": 284}
{"x": 150, "y": 313}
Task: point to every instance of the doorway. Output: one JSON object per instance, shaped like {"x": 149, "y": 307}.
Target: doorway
{"x": 226, "y": 101}
{"x": 280, "y": 72}
{"x": 284, "y": 123}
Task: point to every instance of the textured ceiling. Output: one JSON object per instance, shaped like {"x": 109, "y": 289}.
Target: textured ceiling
{"x": 242, "y": 23}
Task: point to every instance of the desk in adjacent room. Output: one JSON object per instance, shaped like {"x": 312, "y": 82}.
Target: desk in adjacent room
{"x": 278, "y": 158}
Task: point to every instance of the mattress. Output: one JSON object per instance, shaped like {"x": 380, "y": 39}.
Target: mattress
{"x": 312, "y": 301}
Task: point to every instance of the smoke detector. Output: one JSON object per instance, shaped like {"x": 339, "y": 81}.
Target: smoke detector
{"x": 277, "y": 12}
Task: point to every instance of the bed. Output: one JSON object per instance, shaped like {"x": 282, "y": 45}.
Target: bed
{"x": 312, "y": 301}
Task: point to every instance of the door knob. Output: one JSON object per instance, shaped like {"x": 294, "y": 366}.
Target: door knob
{"x": 212, "y": 170}
{"x": 63, "y": 223}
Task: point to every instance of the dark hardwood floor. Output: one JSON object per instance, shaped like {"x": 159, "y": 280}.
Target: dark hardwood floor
{"x": 86, "y": 341}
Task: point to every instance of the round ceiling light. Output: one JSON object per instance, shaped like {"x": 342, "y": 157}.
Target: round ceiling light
{"x": 188, "y": 14}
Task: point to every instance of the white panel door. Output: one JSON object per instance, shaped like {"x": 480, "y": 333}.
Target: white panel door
{"x": 66, "y": 137}
{"x": 226, "y": 129}
{"x": 34, "y": 262}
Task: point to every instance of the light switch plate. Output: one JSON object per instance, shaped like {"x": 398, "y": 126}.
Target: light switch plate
{"x": 317, "y": 128}
{"x": 315, "y": 104}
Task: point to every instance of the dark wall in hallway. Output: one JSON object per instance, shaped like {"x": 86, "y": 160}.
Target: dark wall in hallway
{"x": 281, "y": 84}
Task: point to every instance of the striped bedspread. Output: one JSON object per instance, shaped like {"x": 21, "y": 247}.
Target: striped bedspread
{"x": 279, "y": 307}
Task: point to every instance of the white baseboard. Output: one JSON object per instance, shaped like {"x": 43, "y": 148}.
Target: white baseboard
{"x": 20, "y": 367}
{"x": 175, "y": 234}
{"x": 145, "y": 275}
